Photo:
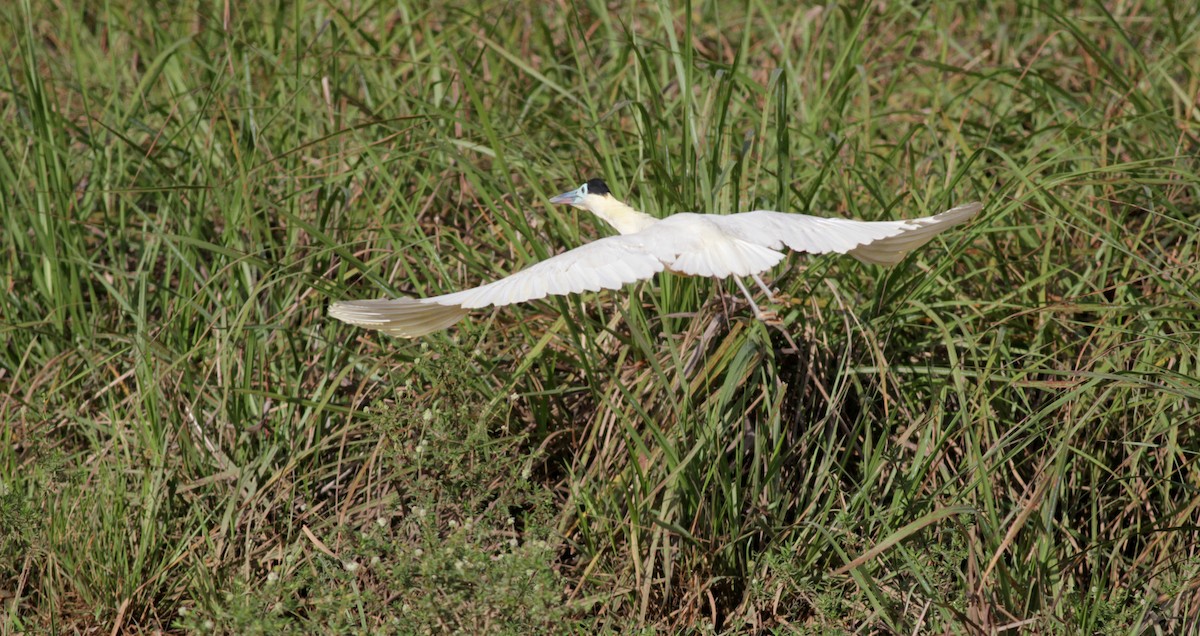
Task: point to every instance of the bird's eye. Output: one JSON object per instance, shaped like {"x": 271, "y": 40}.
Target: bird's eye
{"x": 583, "y": 189}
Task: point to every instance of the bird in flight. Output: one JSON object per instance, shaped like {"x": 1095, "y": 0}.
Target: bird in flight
{"x": 714, "y": 245}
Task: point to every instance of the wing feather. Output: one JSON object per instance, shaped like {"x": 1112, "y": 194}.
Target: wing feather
{"x": 608, "y": 263}
{"x": 878, "y": 242}
{"x": 404, "y": 317}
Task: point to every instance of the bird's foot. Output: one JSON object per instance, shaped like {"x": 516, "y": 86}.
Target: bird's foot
{"x": 770, "y": 317}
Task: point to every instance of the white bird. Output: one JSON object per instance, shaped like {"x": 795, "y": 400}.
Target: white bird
{"x": 714, "y": 245}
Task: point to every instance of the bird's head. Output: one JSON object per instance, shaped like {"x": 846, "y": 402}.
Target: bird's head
{"x": 594, "y": 191}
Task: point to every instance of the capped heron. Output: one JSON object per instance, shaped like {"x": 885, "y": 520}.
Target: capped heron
{"x": 715, "y": 245}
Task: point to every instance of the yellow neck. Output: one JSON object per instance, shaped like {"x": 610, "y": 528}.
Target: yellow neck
{"x": 623, "y": 218}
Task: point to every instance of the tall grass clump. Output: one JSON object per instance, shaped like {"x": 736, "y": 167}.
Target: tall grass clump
{"x": 998, "y": 435}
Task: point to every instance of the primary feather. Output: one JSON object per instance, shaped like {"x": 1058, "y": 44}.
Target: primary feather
{"x": 695, "y": 244}
{"x": 875, "y": 242}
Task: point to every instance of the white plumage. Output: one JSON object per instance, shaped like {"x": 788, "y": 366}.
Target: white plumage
{"x": 717, "y": 246}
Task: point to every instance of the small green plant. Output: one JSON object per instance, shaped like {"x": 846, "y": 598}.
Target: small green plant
{"x": 459, "y": 538}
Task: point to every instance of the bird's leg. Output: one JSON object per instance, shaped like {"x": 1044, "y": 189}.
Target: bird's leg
{"x": 758, "y": 313}
{"x": 763, "y": 286}
{"x": 768, "y": 317}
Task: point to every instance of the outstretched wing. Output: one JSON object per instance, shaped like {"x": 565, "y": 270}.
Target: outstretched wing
{"x": 877, "y": 242}
{"x": 608, "y": 263}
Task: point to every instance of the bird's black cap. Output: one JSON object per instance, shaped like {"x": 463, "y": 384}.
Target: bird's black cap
{"x": 597, "y": 186}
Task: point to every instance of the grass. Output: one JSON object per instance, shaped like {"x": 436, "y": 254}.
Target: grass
{"x": 997, "y": 436}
